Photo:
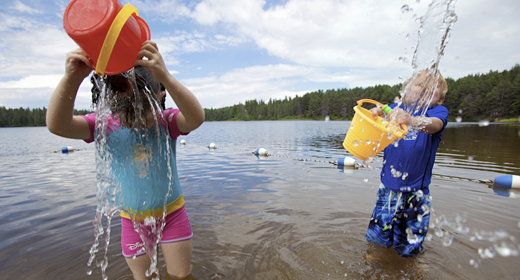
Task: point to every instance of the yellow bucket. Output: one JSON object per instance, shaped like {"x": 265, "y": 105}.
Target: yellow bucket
{"x": 367, "y": 136}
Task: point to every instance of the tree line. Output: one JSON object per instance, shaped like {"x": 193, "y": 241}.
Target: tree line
{"x": 27, "y": 117}
{"x": 494, "y": 95}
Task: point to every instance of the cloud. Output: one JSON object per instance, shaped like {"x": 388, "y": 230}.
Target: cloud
{"x": 167, "y": 10}
{"x": 32, "y": 48}
{"x": 34, "y": 81}
{"x": 21, "y": 7}
{"x": 39, "y": 97}
{"x": 283, "y": 48}
{"x": 317, "y": 33}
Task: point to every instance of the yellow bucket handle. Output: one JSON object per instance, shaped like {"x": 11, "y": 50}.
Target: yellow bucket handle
{"x": 112, "y": 35}
{"x": 360, "y": 102}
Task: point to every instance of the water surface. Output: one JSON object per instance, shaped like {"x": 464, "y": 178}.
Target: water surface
{"x": 288, "y": 216}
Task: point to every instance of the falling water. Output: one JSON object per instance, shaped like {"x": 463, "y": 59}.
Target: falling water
{"x": 433, "y": 36}
{"x": 141, "y": 125}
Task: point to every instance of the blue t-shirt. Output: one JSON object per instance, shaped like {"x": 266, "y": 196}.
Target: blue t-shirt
{"x": 408, "y": 167}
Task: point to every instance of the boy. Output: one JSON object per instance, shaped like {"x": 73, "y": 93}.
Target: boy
{"x": 402, "y": 213}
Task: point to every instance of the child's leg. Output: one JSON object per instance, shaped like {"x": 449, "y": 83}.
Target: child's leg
{"x": 380, "y": 227}
{"x": 139, "y": 265}
{"x": 176, "y": 244}
{"x": 133, "y": 250}
{"x": 412, "y": 224}
{"x": 177, "y": 256}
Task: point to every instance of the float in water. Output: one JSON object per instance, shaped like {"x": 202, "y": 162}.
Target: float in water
{"x": 67, "y": 149}
{"x": 508, "y": 181}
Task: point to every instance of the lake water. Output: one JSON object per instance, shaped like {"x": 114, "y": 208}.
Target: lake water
{"x": 292, "y": 215}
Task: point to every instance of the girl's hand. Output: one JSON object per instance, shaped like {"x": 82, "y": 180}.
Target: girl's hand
{"x": 154, "y": 63}
{"x": 77, "y": 64}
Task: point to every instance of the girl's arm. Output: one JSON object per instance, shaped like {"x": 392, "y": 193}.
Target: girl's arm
{"x": 191, "y": 114}
{"x": 60, "y": 117}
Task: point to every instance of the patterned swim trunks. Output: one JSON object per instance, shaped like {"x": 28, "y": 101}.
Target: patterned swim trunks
{"x": 400, "y": 220}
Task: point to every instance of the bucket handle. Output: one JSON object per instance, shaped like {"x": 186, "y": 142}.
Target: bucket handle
{"x": 112, "y": 35}
{"x": 361, "y": 101}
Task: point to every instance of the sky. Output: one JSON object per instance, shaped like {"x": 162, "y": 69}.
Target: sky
{"x": 230, "y": 51}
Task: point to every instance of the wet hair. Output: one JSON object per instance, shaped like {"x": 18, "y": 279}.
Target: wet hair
{"x": 424, "y": 75}
{"x": 121, "y": 82}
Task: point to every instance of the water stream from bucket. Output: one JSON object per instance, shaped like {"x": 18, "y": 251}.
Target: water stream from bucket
{"x": 140, "y": 130}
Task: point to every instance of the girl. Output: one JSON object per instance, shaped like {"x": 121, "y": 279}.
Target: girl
{"x": 135, "y": 149}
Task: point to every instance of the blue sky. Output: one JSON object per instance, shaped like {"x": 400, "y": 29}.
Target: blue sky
{"x": 230, "y": 51}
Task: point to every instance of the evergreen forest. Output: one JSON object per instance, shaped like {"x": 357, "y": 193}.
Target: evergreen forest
{"x": 493, "y": 96}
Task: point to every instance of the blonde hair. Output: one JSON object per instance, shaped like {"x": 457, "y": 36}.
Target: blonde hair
{"x": 424, "y": 76}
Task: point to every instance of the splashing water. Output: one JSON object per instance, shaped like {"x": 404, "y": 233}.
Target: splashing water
{"x": 434, "y": 33}
{"x": 128, "y": 132}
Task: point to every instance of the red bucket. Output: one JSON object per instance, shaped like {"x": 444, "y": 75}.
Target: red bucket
{"x": 109, "y": 33}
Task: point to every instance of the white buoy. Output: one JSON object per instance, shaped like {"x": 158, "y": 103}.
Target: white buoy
{"x": 212, "y": 146}
{"x": 67, "y": 149}
{"x": 508, "y": 181}
{"x": 347, "y": 161}
{"x": 261, "y": 152}
{"x": 183, "y": 142}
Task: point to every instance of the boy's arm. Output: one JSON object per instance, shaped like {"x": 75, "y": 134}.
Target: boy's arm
{"x": 60, "y": 117}
{"x": 191, "y": 114}
{"x": 429, "y": 125}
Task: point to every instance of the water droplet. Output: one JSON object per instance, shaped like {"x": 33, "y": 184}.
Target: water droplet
{"x": 368, "y": 141}
{"x": 342, "y": 262}
{"x": 448, "y": 238}
{"x": 362, "y": 129}
{"x": 405, "y": 9}
{"x": 503, "y": 250}
{"x": 360, "y": 119}
{"x": 145, "y": 203}
{"x": 89, "y": 272}
{"x": 405, "y": 175}
{"x": 365, "y": 180}
{"x": 355, "y": 143}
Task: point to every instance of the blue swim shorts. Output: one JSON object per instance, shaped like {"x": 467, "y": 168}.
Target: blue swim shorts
{"x": 400, "y": 220}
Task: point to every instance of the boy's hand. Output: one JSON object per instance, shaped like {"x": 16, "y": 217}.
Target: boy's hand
{"x": 154, "y": 63}
{"x": 400, "y": 116}
{"x": 376, "y": 112}
{"x": 77, "y": 64}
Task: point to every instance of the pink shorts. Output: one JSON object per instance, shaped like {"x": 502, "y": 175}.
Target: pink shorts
{"x": 177, "y": 228}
